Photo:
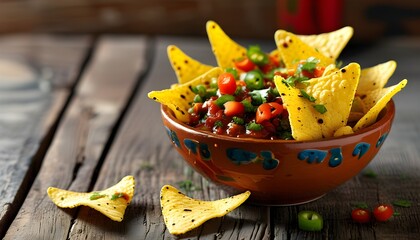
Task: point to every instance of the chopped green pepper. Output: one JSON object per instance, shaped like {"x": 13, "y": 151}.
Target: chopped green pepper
{"x": 257, "y": 56}
{"x": 310, "y": 221}
{"x": 223, "y": 99}
{"x": 254, "y": 80}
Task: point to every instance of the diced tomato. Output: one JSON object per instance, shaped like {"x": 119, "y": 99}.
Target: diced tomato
{"x": 235, "y": 130}
{"x": 244, "y": 64}
{"x": 319, "y": 71}
{"x": 212, "y": 108}
{"x": 272, "y": 64}
{"x": 276, "y": 109}
{"x": 198, "y": 107}
{"x": 226, "y": 83}
{"x": 266, "y": 111}
{"x": 263, "y": 113}
{"x": 233, "y": 108}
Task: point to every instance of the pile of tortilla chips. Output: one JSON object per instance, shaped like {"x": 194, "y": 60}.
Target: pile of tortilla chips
{"x": 351, "y": 97}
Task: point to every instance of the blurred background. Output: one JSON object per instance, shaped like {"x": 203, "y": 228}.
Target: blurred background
{"x": 246, "y": 18}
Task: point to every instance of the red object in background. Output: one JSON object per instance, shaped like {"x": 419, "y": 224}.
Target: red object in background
{"x": 310, "y": 16}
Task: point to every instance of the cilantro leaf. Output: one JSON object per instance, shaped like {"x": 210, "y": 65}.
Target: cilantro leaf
{"x": 402, "y": 203}
{"x": 307, "y": 96}
{"x": 309, "y": 65}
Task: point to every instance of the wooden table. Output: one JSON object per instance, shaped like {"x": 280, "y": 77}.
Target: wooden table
{"x": 87, "y": 122}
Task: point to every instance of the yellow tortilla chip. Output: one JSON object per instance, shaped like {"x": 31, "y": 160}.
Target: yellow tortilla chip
{"x": 329, "y": 69}
{"x": 178, "y": 98}
{"x": 375, "y": 101}
{"x": 111, "y": 202}
{"x": 335, "y": 92}
{"x": 358, "y": 105}
{"x": 330, "y": 44}
{"x": 346, "y": 130}
{"x": 182, "y": 214}
{"x": 292, "y": 49}
{"x": 375, "y": 77}
{"x": 224, "y": 48}
{"x": 185, "y": 67}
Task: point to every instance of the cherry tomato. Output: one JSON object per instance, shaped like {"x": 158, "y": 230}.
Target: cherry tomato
{"x": 383, "y": 212}
{"x": 360, "y": 215}
{"x": 266, "y": 111}
{"x": 226, "y": 83}
{"x": 244, "y": 64}
{"x": 233, "y": 108}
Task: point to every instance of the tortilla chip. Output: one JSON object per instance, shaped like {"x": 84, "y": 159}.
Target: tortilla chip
{"x": 224, "y": 48}
{"x": 335, "y": 92}
{"x": 182, "y": 214}
{"x": 358, "y": 105}
{"x": 375, "y": 77}
{"x": 346, "y": 130}
{"x": 178, "y": 98}
{"x": 111, "y": 202}
{"x": 330, "y": 44}
{"x": 375, "y": 101}
{"x": 329, "y": 69}
{"x": 292, "y": 49}
{"x": 185, "y": 67}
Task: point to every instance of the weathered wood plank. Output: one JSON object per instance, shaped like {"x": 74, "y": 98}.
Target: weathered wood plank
{"x": 143, "y": 149}
{"x": 30, "y": 106}
{"x": 397, "y": 165}
{"x": 76, "y": 150}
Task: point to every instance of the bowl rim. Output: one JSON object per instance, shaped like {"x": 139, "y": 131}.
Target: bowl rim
{"x": 387, "y": 114}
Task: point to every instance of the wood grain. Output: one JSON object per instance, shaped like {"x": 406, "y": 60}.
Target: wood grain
{"x": 28, "y": 112}
{"x": 87, "y": 126}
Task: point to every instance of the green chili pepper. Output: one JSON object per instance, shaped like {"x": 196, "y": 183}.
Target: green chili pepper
{"x": 310, "y": 221}
{"x": 254, "y": 80}
{"x": 248, "y": 106}
{"x": 238, "y": 120}
{"x": 223, "y": 99}
{"x": 233, "y": 71}
{"x": 254, "y": 126}
{"x": 257, "y": 56}
{"x": 197, "y": 99}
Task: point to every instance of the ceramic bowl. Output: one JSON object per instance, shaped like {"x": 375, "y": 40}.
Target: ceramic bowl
{"x": 278, "y": 172}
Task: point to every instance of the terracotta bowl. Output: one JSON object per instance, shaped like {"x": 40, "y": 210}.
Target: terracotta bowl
{"x": 278, "y": 172}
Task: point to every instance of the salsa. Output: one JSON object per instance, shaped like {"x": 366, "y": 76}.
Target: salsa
{"x": 244, "y": 102}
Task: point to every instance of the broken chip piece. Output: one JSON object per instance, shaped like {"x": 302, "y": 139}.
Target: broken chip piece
{"x": 111, "y": 202}
{"x": 185, "y": 67}
{"x": 182, "y": 213}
